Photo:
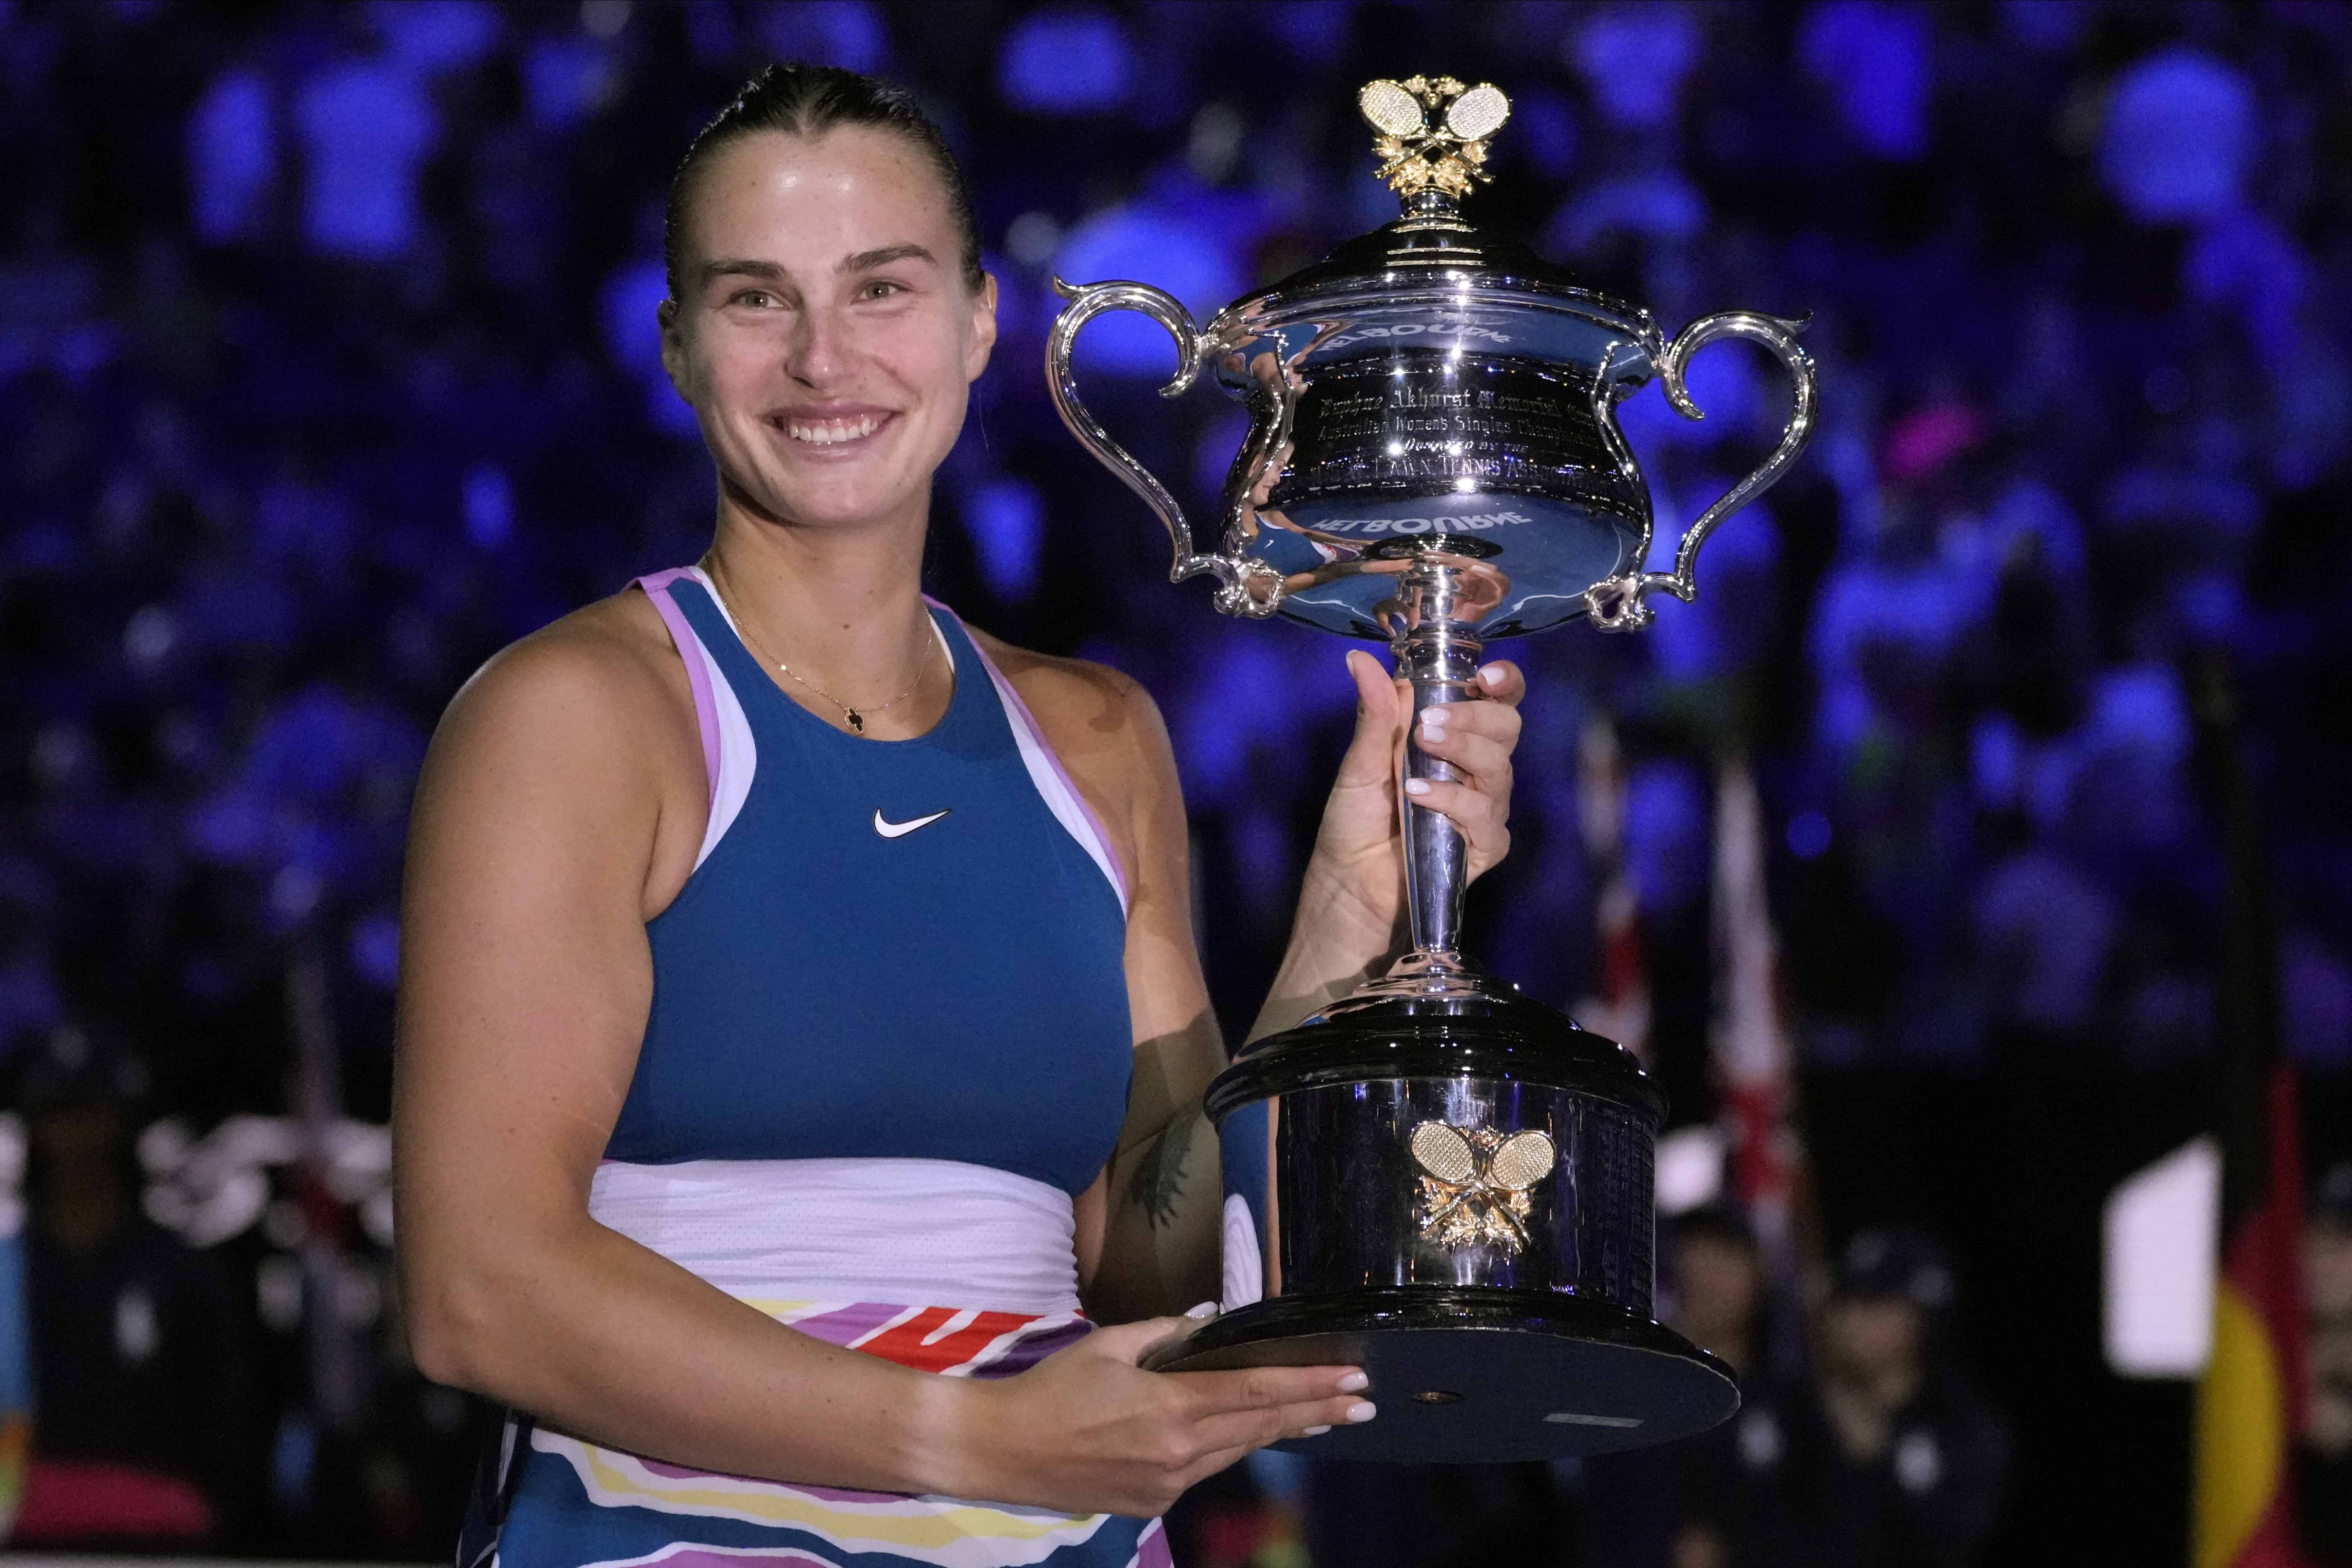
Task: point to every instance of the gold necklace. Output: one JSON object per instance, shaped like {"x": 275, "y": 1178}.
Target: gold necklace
{"x": 853, "y": 717}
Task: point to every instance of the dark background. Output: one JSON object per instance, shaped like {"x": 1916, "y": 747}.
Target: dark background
{"x": 326, "y": 368}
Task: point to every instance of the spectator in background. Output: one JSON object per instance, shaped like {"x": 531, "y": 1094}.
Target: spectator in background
{"x": 139, "y": 1376}
{"x": 1906, "y": 1465}
{"x": 2324, "y": 1461}
{"x": 1720, "y": 1500}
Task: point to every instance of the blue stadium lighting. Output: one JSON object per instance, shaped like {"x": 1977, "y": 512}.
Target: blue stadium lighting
{"x": 1873, "y": 60}
{"x": 1005, "y": 519}
{"x": 850, "y": 33}
{"x": 1809, "y": 835}
{"x": 366, "y": 127}
{"x": 1065, "y": 62}
{"x": 2178, "y": 135}
{"x": 436, "y": 35}
{"x": 1147, "y": 240}
{"x": 1635, "y": 61}
{"x": 231, "y": 156}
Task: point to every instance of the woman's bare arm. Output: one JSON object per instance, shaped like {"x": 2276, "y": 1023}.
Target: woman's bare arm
{"x": 546, "y": 831}
{"x": 1149, "y": 1230}
{"x": 526, "y": 983}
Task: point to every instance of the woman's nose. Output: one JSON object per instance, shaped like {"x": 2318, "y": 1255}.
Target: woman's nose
{"x": 815, "y": 356}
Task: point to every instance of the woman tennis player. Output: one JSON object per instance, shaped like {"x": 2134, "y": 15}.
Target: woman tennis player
{"x": 800, "y": 1017}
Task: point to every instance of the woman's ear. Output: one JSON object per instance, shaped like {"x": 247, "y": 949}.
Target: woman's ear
{"x": 673, "y": 346}
{"x": 983, "y": 327}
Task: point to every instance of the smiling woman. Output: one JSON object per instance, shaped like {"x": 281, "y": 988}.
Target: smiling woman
{"x": 819, "y": 228}
{"x": 801, "y": 1033}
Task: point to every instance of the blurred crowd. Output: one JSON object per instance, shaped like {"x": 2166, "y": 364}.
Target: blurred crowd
{"x": 1859, "y": 1438}
{"x": 328, "y": 365}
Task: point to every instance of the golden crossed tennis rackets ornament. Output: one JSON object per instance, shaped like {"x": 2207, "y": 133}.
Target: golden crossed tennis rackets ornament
{"x": 1475, "y": 1182}
{"x": 1432, "y": 133}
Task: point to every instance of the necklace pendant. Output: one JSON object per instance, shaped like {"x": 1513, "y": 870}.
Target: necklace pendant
{"x": 857, "y": 721}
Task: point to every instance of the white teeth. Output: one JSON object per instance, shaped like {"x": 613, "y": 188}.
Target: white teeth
{"x": 827, "y": 432}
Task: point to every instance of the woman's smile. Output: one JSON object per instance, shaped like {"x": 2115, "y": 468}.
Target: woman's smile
{"x": 834, "y": 430}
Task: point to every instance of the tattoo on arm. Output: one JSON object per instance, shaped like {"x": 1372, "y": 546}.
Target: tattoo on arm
{"x": 1159, "y": 1173}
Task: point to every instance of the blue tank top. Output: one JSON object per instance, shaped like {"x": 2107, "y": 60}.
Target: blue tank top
{"x": 906, "y": 948}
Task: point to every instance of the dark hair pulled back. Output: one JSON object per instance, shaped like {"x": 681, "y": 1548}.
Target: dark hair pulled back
{"x": 809, "y": 100}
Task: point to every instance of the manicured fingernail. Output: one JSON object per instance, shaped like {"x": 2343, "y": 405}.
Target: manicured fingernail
{"x": 1491, "y": 676}
{"x": 1362, "y": 1410}
{"x": 1432, "y": 718}
{"x": 1315, "y": 1431}
{"x": 1416, "y": 786}
{"x": 1354, "y": 1382}
{"x": 1205, "y": 1310}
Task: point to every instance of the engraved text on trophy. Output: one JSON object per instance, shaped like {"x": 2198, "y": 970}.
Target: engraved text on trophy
{"x": 1426, "y": 421}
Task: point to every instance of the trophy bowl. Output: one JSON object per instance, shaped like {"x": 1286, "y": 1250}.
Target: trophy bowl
{"x": 1438, "y": 1178}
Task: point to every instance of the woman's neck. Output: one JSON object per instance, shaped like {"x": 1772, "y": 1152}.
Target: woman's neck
{"x": 843, "y": 609}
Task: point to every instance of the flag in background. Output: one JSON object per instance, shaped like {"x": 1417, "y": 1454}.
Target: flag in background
{"x": 1621, "y": 1011}
{"x": 16, "y": 1338}
{"x": 1749, "y": 1038}
{"x": 1753, "y": 1058}
{"x": 2249, "y": 1401}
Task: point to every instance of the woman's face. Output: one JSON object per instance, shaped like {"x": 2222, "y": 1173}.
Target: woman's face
{"x": 822, "y": 330}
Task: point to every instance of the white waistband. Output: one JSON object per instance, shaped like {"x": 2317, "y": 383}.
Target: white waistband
{"x": 931, "y": 1233}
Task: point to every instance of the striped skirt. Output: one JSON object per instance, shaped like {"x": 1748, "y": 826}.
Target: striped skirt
{"x": 556, "y": 1501}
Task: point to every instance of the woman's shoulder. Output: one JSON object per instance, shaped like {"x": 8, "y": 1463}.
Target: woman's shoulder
{"x": 1100, "y": 722}
{"x": 605, "y": 675}
{"x": 588, "y": 720}
{"x": 610, "y": 660}
{"x": 1084, "y": 707}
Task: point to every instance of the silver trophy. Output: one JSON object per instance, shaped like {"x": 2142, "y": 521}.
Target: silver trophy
{"x": 1438, "y": 1178}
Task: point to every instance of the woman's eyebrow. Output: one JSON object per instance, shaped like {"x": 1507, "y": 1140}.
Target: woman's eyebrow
{"x": 766, "y": 271}
{"x": 866, "y": 260}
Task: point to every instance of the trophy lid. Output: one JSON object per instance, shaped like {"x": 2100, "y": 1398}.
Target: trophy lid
{"x": 1433, "y": 142}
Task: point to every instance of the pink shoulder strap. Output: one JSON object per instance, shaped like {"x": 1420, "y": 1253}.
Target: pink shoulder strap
{"x": 697, "y": 671}
{"x": 1062, "y": 794}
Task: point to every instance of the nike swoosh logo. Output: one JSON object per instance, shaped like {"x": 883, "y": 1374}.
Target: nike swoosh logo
{"x": 900, "y": 829}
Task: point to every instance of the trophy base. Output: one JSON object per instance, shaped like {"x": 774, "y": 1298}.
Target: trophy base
{"x": 1476, "y": 1376}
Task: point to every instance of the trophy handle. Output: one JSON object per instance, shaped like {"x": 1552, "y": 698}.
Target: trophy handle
{"x": 1245, "y": 586}
{"x": 1615, "y": 604}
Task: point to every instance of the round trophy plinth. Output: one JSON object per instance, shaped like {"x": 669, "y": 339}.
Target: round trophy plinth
{"x": 1474, "y": 1376}
{"x": 1453, "y": 1192}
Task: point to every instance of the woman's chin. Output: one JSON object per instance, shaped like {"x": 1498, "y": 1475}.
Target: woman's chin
{"x": 838, "y": 505}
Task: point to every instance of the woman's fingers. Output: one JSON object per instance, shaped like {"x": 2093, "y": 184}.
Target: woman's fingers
{"x": 1470, "y": 809}
{"x": 1479, "y": 815}
{"x": 1494, "y": 719}
{"x": 1256, "y": 1429}
{"x": 1381, "y": 701}
{"x": 1372, "y": 754}
{"x": 1474, "y": 745}
{"x": 1257, "y": 1405}
{"x": 1503, "y": 682}
{"x": 1476, "y": 739}
{"x": 1215, "y": 1393}
{"x": 1098, "y": 1435}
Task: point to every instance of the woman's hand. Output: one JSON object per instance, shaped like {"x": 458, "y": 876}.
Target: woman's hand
{"x": 1356, "y": 878}
{"x": 1088, "y": 1431}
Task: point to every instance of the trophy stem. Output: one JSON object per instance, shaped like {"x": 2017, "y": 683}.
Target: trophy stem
{"x": 1439, "y": 654}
